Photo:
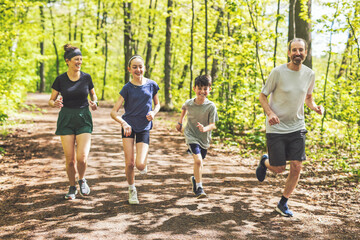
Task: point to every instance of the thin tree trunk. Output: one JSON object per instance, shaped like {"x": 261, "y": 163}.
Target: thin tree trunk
{"x": 151, "y": 29}
{"x": 97, "y": 24}
{"x": 276, "y": 31}
{"x": 192, "y": 47}
{"x": 167, "y": 78}
{"x": 106, "y": 54}
{"x": 215, "y": 63}
{"x": 291, "y": 32}
{"x": 155, "y": 57}
{"x": 256, "y": 43}
{"x": 355, "y": 38}
{"x": 42, "y": 52}
{"x": 206, "y": 37}
{"x": 127, "y": 38}
{"x": 345, "y": 57}
{"x": 76, "y": 24}
{"x": 327, "y": 68}
{"x": 69, "y": 23}
{"x": 54, "y": 42}
{"x": 303, "y": 29}
{"x": 183, "y": 76}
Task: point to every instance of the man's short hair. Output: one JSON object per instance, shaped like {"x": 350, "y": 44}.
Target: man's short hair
{"x": 203, "y": 81}
{"x": 297, "y": 40}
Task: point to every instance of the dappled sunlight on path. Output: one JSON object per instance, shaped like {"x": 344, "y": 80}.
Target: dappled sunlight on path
{"x": 237, "y": 206}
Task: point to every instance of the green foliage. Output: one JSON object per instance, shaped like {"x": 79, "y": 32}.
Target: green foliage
{"x": 241, "y": 44}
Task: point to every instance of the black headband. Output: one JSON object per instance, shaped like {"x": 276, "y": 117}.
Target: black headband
{"x": 71, "y": 54}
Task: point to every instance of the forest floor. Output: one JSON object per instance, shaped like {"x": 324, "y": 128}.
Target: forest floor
{"x": 33, "y": 182}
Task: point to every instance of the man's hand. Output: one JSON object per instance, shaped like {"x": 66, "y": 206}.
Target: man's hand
{"x": 273, "y": 119}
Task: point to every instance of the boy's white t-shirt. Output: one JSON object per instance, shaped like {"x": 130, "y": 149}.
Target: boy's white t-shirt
{"x": 205, "y": 114}
{"x": 288, "y": 91}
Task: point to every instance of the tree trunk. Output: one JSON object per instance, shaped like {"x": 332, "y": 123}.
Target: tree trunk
{"x": 345, "y": 57}
{"x": 54, "y": 42}
{"x": 256, "y": 43}
{"x": 215, "y": 63}
{"x": 192, "y": 47}
{"x": 69, "y": 26}
{"x": 183, "y": 77}
{"x": 206, "y": 37}
{"x": 291, "y": 31}
{"x": 167, "y": 78}
{"x": 106, "y": 55}
{"x": 276, "y": 31}
{"x": 303, "y": 29}
{"x": 42, "y": 52}
{"x": 151, "y": 29}
{"x": 127, "y": 38}
{"x": 97, "y": 24}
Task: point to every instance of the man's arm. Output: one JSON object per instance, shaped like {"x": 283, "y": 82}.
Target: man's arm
{"x": 309, "y": 101}
{"x": 272, "y": 117}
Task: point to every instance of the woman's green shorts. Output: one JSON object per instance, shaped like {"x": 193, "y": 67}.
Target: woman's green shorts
{"x": 74, "y": 121}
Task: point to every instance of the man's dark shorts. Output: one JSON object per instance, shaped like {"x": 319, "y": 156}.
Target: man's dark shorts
{"x": 286, "y": 147}
{"x": 74, "y": 121}
{"x": 143, "y": 136}
{"x": 196, "y": 149}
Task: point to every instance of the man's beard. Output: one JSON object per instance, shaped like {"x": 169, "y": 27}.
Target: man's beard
{"x": 297, "y": 60}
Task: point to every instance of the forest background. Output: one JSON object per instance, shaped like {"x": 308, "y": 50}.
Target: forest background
{"x": 237, "y": 42}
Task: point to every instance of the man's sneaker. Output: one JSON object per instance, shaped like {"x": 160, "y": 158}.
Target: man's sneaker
{"x": 71, "y": 194}
{"x": 261, "y": 169}
{"x": 84, "y": 187}
{"x": 144, "y": 171}
{"x": 193, "y": 182}
{"x": 133, "y": 197}
{"x": 284, "y": 210}
{"x": 200, "y": 192}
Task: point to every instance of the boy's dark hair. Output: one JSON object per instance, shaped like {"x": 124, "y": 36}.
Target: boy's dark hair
{"x": 203, "y": 81}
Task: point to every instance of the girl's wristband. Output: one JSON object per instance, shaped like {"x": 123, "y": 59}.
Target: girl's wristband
{"x": 180, "y": 124}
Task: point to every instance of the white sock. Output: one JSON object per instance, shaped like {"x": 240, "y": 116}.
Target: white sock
{"x": 198, "y": 185}
{"x": 132, "y": 187}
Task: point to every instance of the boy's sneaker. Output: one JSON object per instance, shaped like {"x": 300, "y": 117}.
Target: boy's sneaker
{"x": 71, "y": 194}
{"x": 261, "y": 169}
{"x": 84, "y": 187}
{"x": 284, "y": 210}
{"x": 193, "y": 182}
{"x": 144, "y": 171}
{"x": 133, "y": 197}
{"x": 200, "y": 192}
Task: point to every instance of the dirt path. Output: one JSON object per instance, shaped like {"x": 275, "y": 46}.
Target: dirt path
{"x": 33, "y": 182}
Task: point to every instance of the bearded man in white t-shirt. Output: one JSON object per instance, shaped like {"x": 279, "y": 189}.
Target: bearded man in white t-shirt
{"x": 289, "y": 87}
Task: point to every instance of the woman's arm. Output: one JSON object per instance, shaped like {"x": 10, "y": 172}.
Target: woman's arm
{"x": 151, "y": 115}
{"x": 93, "y": 103}
{"x": 114, "y": 115}
{"x": 53, "y": 101}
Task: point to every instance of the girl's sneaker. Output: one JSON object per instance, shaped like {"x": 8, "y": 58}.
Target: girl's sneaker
{"x": 200, "y": 192}
{"x": 71, "y": 194}
{"x": 84, "y": 187}
{"x": 144, "y": 171}
{"x": 133, "y": 196}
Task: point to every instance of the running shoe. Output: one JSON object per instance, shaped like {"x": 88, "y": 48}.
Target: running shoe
{"x": 193, "y": 182}
{"x": 84, "y": 187}
{"x": 133, "y": 197}
{"x": 144, "y": 171}
{"x": 200, "y": 192}
{"x": 261, "y": 169}
{"x": 71, "y": 194}
{"x": 284, "y": 210}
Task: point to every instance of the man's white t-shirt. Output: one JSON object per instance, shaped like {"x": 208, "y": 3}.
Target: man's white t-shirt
{"x": 288, "y": 91}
